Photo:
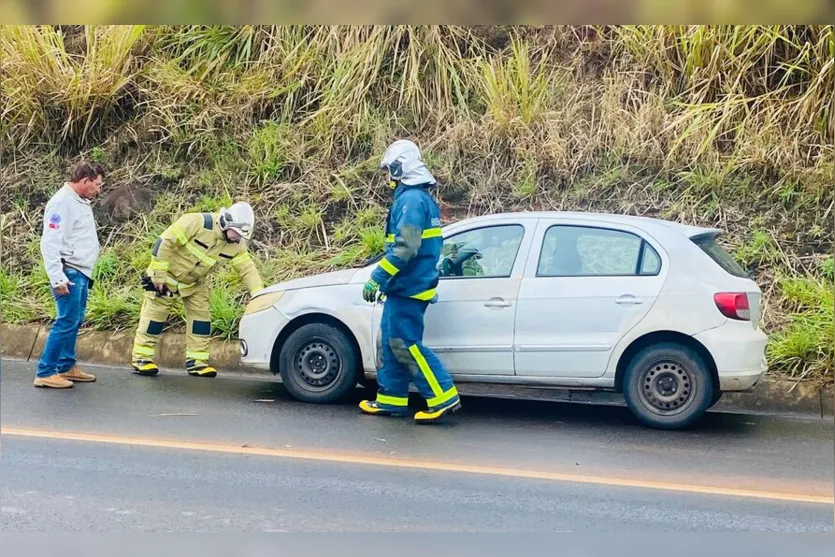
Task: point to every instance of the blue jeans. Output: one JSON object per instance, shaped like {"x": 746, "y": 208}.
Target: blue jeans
{"x": 405, "y": 359}
{"x": 59, "y": 352}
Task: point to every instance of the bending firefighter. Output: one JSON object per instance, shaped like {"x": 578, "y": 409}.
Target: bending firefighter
{"x": 408, "y": 276}
{"x": 183, "y": 258}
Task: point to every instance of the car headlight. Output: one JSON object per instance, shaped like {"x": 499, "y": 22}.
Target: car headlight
{"x": 262, "y": 302}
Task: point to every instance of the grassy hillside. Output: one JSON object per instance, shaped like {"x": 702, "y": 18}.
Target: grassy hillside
{"x": 727, "y": 126}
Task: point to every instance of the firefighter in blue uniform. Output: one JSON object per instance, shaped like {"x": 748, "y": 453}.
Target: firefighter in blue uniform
{"x": 407, "y": 277}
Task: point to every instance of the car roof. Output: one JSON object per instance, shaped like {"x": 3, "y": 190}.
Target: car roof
{"x": 641, "y": 222}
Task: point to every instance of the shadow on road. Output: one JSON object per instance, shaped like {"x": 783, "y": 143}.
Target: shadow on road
{"x": 534, "y": 412}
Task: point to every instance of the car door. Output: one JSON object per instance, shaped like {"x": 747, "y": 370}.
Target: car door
{"x": 586, "y": 284}
{"x": 471, "y": 326}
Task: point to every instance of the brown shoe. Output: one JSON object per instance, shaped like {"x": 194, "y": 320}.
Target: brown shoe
{"x": 53, "y": 382}
{"x": 76, "y": 374}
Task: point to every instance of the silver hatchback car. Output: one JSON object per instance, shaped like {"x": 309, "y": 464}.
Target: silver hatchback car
{"x": 654, "y": 310}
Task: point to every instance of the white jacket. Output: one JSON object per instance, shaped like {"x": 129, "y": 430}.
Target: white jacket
{"x": 69, "y": 234}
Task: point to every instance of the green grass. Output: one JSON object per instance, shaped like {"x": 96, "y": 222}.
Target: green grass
{"x": 804, "y": 347}
{"x": 759, "y": 249}
{"x": 726, "y": 126}
{"x": 15, "y": 307}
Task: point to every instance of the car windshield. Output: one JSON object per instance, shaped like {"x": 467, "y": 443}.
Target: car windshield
{"x": 709, "y": 245}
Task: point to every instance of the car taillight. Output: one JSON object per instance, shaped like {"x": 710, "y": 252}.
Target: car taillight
{"x": 733, "y": 305}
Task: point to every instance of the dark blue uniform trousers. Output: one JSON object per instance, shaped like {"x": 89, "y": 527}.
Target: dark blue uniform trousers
{"x": 405, "y": 358}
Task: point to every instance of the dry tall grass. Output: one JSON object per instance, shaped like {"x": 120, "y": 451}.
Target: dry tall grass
{"x": 728, "y": 126}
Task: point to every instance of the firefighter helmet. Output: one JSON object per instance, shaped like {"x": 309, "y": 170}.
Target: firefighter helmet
{"x": 403, "y": 161}
{"x": 239, "y": 217}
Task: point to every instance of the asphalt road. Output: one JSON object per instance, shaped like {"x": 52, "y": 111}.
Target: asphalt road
{"x": 176, "y": 453}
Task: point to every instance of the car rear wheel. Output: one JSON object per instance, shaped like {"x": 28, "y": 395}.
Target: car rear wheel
{"x": 318, "y": 363}
{"x": 668, "y": 386}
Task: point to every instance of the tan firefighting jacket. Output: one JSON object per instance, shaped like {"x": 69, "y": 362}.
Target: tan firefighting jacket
{"x": 192, "y": 248}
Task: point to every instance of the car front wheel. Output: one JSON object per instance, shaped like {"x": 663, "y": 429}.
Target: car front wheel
{"x": 668, "y": 386}
{"x": 318, "y": 363}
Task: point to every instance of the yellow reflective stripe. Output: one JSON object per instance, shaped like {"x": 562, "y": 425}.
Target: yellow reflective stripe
{"x": 178, "y": 285}
{"x": 180, "y": 234}
{"x": 159, "y": 265}
{"x": 393, "y": 400}
{"x": 428, "y": 233}
{"x": 241, "y": 258}
{"x": 199, "y": 254}
{"x": 426, "y": 370}
{"x": 446, "y": 397}
{"x": 143, "y": 350}
{"x": 388, "y": 267}
{"x": 425, "y": 296}
{"x": 200, "y": 356}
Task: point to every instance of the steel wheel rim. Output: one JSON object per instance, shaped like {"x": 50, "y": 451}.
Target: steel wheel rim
{"x": 667, "y": 388}
{"x": 317, "y": 365}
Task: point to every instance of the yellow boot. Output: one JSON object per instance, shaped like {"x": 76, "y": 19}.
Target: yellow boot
{"x": 200, "y": 369}
{"x": 145, "y": 367}
{"x": 432, "y": 415}
{"x": 374, "y": 408}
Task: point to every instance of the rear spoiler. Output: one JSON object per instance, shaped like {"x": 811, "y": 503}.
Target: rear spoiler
{"x": 702, "y": 233}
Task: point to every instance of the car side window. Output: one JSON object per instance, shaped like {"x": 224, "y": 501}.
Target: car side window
{"x": 488, "y": 252}
{"x": 651, "y": 261}
{"x": 582, "y": 251}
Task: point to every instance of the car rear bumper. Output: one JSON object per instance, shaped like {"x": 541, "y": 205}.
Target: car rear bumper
{"x": 742, "y": 381}
{"x": 739, "y": 352}
{"x": 257, "y": 334}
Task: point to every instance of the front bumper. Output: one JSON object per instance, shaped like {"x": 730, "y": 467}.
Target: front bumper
{"x": 257, "y": 334}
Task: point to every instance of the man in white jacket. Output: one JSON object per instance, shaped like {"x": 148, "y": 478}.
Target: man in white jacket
{"x": 70, "y": 248}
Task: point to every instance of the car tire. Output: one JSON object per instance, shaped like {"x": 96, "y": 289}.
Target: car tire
{"x": 668, "y": 386}
{"x": 318, "y": 364}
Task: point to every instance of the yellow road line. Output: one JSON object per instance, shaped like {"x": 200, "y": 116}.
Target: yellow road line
{"x": 346, "y": 458}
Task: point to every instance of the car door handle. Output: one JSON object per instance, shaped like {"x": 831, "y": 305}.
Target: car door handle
{"x": 497, "y": 303}
{"x": 629, "y": 300}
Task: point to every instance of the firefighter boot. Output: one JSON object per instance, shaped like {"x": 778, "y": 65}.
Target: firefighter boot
{"x": 145, "y": 367}
{"x": 200, "y": 369}
{"x": 432, "y": 415}
{"x": 374, "y": 408}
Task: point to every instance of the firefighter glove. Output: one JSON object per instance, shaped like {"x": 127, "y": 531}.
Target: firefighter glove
{"x": 370, "y": 291}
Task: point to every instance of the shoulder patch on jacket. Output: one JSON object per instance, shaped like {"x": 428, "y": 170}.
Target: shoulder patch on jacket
{"x": 55, "y": 221}
{"x": 208, "y": 221}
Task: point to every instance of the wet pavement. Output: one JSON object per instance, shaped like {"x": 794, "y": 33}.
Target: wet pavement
{"x": 87, "y": 454}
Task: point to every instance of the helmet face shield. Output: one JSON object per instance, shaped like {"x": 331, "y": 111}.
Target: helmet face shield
{"x": 403, "y": 161}
{"x": 239, "y": 218}
{"x": 244, "y": 231}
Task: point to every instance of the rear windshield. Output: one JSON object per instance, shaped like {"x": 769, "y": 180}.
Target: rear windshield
{"x": 716, "y": 252}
